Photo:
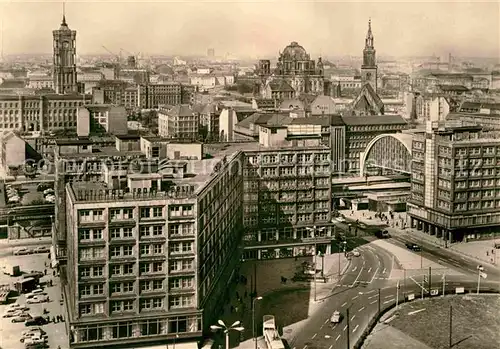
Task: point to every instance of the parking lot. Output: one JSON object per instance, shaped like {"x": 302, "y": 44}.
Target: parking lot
{"x": 10, "y": 333}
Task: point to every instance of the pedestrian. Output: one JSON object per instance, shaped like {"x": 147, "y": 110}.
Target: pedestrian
{"x": 53, "y": 273}
{"x": 45, "y": 271}
{"x": 53, "y": 319}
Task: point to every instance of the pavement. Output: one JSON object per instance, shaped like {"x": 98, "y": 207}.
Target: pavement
{"x": 10, "y": 332}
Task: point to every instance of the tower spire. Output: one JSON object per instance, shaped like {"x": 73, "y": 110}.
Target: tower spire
{"x": 369, "y": 35}
{"x": 64, "y": 13}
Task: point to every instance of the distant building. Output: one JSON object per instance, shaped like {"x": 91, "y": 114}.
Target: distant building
{"x": 94, "y": 119}
{"x": 369, "y": 67}
{"x": 179, "y": 121}
{"x": 64, "y": 74}
{"x": 12, "y": 151}
{"x": 211, "y": 52}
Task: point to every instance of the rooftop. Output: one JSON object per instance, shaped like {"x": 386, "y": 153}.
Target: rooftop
{"x": 374, "y": 120}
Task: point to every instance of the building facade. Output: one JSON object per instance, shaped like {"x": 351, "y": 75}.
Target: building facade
{"x": 148, "y": 261}
{"x": 455, "y": 188}
{"x": 64, "y": 71}
{"x": 180, "y": 121}
{"x": 41, "y": 113}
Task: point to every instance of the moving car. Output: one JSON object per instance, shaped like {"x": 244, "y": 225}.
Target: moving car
{"x": 21, "y": 317}
{"x": 412, "y": 246}
{"x": 355, "y": 253}
{"x": 340, "y": 219}
{"x": 36, "y": 321}
{"x": 336, "y": 317}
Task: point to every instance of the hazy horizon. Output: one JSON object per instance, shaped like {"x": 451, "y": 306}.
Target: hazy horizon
{"x": 256, "y": 29}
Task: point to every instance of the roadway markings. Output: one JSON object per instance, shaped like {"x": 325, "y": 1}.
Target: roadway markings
{"x": 361, "y": 309}
{"x": 354, "y": 269}
{"x": 375, "y": 301}
{"x": 372, "y": 296}
{"x": 390, "y": 300}
{"x": 314, "y": 336}
{"x": 353, "y": 317}
{"x": 326, "y": 321}
{"x": 416, "y": 311}
{"x": 390, "y": 296}
{"x": 369, "y": 270}
{"x": 343, "y": 305}
{"x": 330, "y": 347}
{"x": 305, "y": 347}
{"x": 353, "y": 298}
{"x": 355, "y": 328}
{"x": 385, "y": 269}
{"x": 374, "y": 274}
{"x": 357, "y": 277}
{"x": 442, "y": 261}
{"x": 345, "y": 328}
{"x": 336, "y": 339}
{"x": 371, "y": 291}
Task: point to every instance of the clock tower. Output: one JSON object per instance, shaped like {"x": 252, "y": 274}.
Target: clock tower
{"x": 64, "y": 71}
{"x": 369, "y": 67}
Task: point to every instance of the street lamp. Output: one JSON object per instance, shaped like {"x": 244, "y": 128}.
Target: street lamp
{"x": 480, "y": 274}
{"x": 222, "y": 326}
{"x": 343, "y": 250}
{"x": 253, "y": 319}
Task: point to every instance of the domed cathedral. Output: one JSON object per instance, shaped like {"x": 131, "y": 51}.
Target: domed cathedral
{"x": 295, "y": 69}
{"x": 369, "y": 66}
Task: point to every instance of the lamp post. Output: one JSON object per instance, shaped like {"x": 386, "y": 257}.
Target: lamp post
{"x": 343, "y": 250}
{"x": 253, "y": 319}
{"x": 480, "y": 274}
{"x": 315, "y": 229}
{"x": 222, "y": 326}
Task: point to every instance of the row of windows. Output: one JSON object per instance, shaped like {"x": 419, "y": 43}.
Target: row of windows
{"x": 143, "y": 328}
{"x": 128, "y": 213}
{"x": 145, "y": 231}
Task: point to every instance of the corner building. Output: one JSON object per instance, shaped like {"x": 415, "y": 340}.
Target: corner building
{"x": 149, "y": 263}
{"x": 455, "y": 193}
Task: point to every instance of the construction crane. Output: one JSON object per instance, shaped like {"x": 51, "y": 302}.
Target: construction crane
{"x": 117, "y": 57}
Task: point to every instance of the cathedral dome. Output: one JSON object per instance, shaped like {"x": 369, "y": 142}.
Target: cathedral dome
{"x": 295, "y": 52}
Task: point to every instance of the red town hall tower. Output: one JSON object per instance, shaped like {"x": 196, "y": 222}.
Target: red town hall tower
{"x": 64, "y": 71}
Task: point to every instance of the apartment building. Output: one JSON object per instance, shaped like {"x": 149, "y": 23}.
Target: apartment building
{"x": 149, "y": 260}
{"x": 154, "y": 95}
{"x": 455, "y": 193}
{"x": 42, "y": 113}
{"x": 180, "y": 121}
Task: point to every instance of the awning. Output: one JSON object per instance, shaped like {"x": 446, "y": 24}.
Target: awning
{"x": 53, "y": 257}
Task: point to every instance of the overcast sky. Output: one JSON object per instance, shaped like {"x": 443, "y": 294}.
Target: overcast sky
{"x": 256, "y": 28}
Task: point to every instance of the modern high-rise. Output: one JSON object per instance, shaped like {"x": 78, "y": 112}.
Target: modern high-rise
{"x": 151, "y": 248}
{"x": 64, "y": 59}
{"x": 455, "y": 193}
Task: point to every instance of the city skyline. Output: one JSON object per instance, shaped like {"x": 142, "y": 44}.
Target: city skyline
{"x": 197, "y": 26}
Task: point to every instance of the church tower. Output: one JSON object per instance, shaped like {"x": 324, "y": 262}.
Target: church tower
{"x": 64, "y": 71}
{"x": 369, "y": 67}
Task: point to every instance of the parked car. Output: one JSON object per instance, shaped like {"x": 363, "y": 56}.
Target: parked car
{"x": 38, "y": 299}
{"x": 21, "y": 251}
{"x": 35, "y": 342}
{"x": 42, "y": 249}
{"x": 36, "y": 321}
{"x": 50, "y": 198}
{"x": 413, "y": 247}
{"x": 21, "y": 317}
{"x": 336, "y": 317}
{"x": 48, "y": 191}
{"x": 17, "y": 306}
{"x": 355, "y": 253}
{"x": 11, "y": 313}
{"x": 32, "y": 332}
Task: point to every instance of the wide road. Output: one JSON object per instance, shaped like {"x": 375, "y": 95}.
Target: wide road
{"x": 434, "y": 253}
{"x": 369, "y": 271}
{"x": 362, "y": 305}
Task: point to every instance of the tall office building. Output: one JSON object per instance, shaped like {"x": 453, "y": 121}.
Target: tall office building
{"x": 455, "y": 192}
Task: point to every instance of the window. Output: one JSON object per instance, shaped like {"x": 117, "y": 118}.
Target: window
{"x": 157, "y": 230}
{"x": 157, "y": 284}
{"x": 144, "y": 231}
{"x": 145, "y": 249}
{"x": 84, "y": 234}
{"x": 84, "y": 215}
{"x": 85, "y": 272}
{"x": 157, "y": 212}
{"x": 85, "y": 290}
{"x": 157, "y": 249}
{"x": 157, "y": 267}
{"x": 97, "y": 215}
{"x": 181, "y": 301}
{"x": 122, "y": 329}
{"x": 128, "y": 250}
{"x": 145, "y": 268}
{"x": 145, "y": 212}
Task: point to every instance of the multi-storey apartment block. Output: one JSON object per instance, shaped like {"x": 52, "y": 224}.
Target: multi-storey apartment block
{"x": 149, "y": 258}
{"x": 180, "y": 121}
{"x": 455, "y": 192}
